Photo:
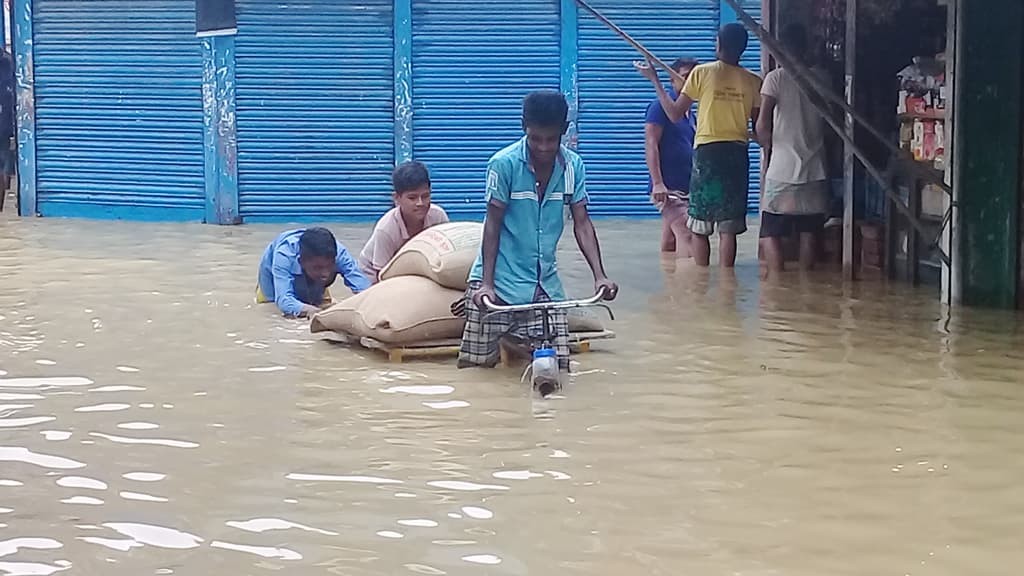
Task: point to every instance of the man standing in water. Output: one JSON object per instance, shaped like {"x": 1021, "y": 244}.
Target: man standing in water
{"x": 796, "y": 192}
{"x": 727, "y": 107}
{"x": 530, "y": 185}
{"x": 668, "y": 148}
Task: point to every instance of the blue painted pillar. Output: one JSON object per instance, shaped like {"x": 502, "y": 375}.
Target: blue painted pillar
{"x": 220, "y": 142}
{"x": 403, "y": 80}
{"x": 570, "y": 53}
{"x": 26, "y": 107}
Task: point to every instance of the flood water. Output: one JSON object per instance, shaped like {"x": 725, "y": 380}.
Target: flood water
{"x": 155, "y": 421}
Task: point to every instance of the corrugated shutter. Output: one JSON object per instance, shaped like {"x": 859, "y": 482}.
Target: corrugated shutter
{"x": 752, "y": 61}
{"x": 119, "y": 113}
{"x": 614, "y": 97}
{"x": 315, "y": 108}
{"x": 472, "y": 64}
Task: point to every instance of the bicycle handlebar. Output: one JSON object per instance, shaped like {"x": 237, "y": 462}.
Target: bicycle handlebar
{"x": 594, "y": 300}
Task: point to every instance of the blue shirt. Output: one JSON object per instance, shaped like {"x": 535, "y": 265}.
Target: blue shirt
{"x": 280, "y": 268}
{"x": 532, "y": 227}
{"x": 676, "y": 146}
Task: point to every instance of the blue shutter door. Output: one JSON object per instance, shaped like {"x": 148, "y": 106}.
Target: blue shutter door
{"x": 752, "y": 61}
{"x": 119, "y": 110}
{"x": 473, "y": 62}
{"x": 614, "y": 97}
{"x": 315, "y": 109}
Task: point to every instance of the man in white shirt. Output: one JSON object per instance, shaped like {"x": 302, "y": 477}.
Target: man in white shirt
{"x": 792, "y": 133}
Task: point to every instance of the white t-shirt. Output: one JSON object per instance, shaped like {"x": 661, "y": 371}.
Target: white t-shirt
{"x": 798, "y": 135}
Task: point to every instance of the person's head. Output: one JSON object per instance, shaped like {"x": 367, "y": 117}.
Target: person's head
{"x": 545, "y": 121}
{"x": 411, "y": 181}
{"x": 794, "y": 39}
{"x": 318, "y": 251}
{"x": 683, "y": 66}
{"x": 732, "y": 42}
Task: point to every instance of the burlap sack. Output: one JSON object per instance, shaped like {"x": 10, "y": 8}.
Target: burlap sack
{"x": 444, "y": 253}
{"x": 402, "y": 310}
{"x": 581, "y": 320}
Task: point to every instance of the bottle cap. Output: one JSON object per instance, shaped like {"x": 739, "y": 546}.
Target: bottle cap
{"x": 544, "y": 353}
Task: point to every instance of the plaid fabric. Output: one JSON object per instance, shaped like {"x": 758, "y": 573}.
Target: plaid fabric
{"x": 481, "y": 337}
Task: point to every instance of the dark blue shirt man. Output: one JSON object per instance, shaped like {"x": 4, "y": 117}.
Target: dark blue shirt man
{"x": 669, "y": 154}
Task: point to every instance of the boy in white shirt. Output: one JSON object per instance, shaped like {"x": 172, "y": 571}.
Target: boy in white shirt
{"x": 412, "y": 214}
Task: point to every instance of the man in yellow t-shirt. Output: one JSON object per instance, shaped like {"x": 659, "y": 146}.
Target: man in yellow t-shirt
{"x": 727, "y": 97}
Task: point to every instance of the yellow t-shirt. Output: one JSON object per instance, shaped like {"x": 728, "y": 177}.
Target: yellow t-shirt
{"x": 725, "y": 95}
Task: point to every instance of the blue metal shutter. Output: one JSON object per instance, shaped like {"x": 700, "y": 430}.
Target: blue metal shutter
{"x": 119, "y": 110}
{"x": 752, "y": 61}
{"x": 614, "y": 97}
{"x": 473, "y": 62}
{"x": 315, "y": 109}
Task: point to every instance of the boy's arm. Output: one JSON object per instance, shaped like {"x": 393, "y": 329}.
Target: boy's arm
{"x": 586, "y": 236}
{"x": 498, "y": 194}
{"x": 766, "y": 123}
{"x": 349, "y": 271}
{"x": 284, "y": 289}
{"x": 674, "y": 109}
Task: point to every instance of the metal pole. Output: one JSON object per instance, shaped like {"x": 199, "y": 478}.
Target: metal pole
{"x": 849, "y": 161}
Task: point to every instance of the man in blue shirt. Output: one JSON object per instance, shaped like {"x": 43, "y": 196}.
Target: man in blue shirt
{"x": 299, "y": 266}
{"x": 530, "y": 184}
{"x": 669, "y": 153}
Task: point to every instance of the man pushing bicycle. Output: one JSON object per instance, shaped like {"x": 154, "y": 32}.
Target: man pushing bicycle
{"x": 530, "y": 184}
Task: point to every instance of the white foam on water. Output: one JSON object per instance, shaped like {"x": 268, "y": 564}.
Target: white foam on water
{"x": 28, "y": 421}
{"x": 138, "y": 426}
{"x": 10, "y": 483}
{"x": 18, "y": 454}
{"x": 147, "y": 405}
{"x": 447, "y": 405}
{"x": 20, "y": 397}
{"x": 464, "y": 486}
{"x": 557, "y": 475}
{"x": 158, "y": 536}
{"x": 57, "y": 382}
{"x": 6, "y": 510}
{"x": 148, "y": 441}
{"x": 263, "y": 551}
{"x": 12, "y": 407}
{"x": 437, "y": 390}
{"x": 8, "y": 547}
{"x": 111, "y": 407}
{"x": 332, "y": 478}
{"x": 516, "y": 475}
{"x": 127, "y": 369}
{"x": 477, "y": 513}
{"x": 559, "y": 454}
{"x": 260, "y": 525}
{"x": 419, "y": 523}
{"x": 85, "y": 500}
{"x": 455, "y": 515}
{"x": 111, "y": 543}
{"x": 81, "y": 482}
{"x": 45, "y": 362}
{"x": 404, "y": 495}
{"x": 140, "y": 497}
{"x": 30, "y": 568}
{"x": 144, "y": 476}
{"x": 486, "y": 559}
{"x": 265, "y": 369}
{"x": 56, "y": 435}
{"x": 118, "y": 389}
{"x": 390, "y": 534}
{"x": 2, "y": 372}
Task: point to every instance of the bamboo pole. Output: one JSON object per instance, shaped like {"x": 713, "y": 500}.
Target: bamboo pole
{"x": 639, "y": 47}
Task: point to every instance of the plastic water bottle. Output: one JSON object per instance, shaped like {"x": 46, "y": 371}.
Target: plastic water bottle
{"x": 545, "y": 371}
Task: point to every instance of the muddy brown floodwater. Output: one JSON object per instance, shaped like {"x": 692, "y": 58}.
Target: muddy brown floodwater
{"x": 154, "y": 421}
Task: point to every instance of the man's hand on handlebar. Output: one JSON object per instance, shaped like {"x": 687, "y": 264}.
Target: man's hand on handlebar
{"x": 485, "y": 291}
{"x": 607, "y": 287}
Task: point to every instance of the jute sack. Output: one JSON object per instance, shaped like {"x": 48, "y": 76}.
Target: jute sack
{"x": 444, "y": 253}
{"x": 402, "y": 310}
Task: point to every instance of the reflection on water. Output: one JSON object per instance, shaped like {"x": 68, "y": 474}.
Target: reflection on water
{"x": 155, "y": 422}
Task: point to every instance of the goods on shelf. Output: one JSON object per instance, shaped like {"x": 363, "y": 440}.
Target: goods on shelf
{"x": 922, "y": 110}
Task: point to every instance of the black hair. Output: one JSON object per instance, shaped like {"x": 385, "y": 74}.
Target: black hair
{"x": 685, "y": 64}
{"x": 733, "y": 39}
{"x": 794, "y": 38}
{"x": 409, "y": 176}
{"x": 545, "y": 108}
{"x": 318, "y": 243}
